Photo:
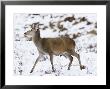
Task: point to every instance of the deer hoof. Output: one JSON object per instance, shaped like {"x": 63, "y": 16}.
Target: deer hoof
{"x": 31, "y": 71}
{"x": 53, "y": 70}
{"x": 82, "y": 67}
{"x": 68, "y": 68}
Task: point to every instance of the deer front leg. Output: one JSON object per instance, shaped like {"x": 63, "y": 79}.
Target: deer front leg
{"x": 51, "y": 60}
{"x": 35, "y": 63}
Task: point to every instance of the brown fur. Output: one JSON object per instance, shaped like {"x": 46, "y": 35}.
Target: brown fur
{"x": 57, "y": 45}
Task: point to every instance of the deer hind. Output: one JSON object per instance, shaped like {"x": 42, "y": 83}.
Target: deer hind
{"x": 53, "y": 46}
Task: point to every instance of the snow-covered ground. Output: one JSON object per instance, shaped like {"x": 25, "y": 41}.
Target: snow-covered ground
{"x": 80, "y": 27}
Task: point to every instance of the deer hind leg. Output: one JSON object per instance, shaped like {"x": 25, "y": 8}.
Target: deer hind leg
{"x": 78, "y": 57}
{"x": 35, "y": 63}
{"x": 51, "y": 60}
{"x": 71, "y": 59}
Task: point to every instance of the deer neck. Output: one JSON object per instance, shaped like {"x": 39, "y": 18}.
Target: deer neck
{"x": 36, "y": 39}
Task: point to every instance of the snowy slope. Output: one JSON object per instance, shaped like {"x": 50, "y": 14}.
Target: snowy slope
{"x": 83, "y": 29}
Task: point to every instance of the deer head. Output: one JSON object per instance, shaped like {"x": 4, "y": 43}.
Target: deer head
{"x": 34, "y": 31}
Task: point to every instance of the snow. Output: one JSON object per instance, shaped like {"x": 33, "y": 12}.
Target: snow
{"x": 25, "y": 52}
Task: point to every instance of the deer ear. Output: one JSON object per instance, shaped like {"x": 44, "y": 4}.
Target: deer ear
{"x": 33, "y": 26}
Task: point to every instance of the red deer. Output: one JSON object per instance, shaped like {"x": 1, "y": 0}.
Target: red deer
{"x": 53, "y": 46}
